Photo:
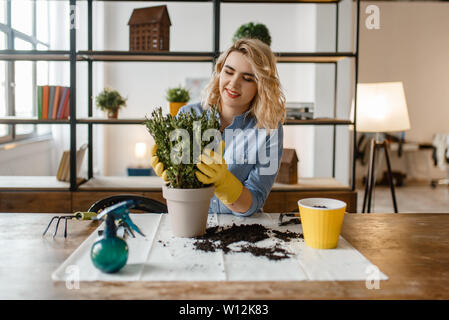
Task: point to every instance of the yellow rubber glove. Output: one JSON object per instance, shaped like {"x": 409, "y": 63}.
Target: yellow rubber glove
{"x": 158, "y": 166}
{"x": 215, "y": 170}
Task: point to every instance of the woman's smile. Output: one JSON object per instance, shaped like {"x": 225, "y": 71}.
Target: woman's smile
{"x": 232, "y": 94}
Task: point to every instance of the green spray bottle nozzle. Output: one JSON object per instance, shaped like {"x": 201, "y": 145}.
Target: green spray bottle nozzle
{"x": 120, "y": 211}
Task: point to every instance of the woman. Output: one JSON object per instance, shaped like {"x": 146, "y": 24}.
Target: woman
{"x": 245, "y": 88}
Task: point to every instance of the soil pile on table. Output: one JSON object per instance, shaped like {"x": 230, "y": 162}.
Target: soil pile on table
{"x": 223, "y": 237}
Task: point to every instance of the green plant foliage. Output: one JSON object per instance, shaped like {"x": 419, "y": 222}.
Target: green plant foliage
{"x": 178, "y": 94}
{"x": 253, "y": 31}
{"x": 160, "y": 126}
{"x": 110, "y": 100}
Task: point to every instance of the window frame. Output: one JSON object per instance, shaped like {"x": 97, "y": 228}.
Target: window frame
{"x": 12, "y": 34}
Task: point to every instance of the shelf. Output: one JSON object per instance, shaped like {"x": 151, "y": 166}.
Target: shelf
{"x": 312, "y": 57}
{"x": 282, "y": 57}
{"x": 114, "y": 183}
{"x": 152, "y": 183}
{"x": 149, "y": 0}
{"x": 318, "y": 121}
{"x": 35, "y": 183}
{"x": 238, "y": 1}
{"x": 171, "y": 56}
{"x": 15, "y": 120}
{"x": 155, "y": 184}
{"x": 312, "y": 184}
{"x": 109, "y": 121}
{"x": 34, "y": 55}
{"x": 281, "y": 1}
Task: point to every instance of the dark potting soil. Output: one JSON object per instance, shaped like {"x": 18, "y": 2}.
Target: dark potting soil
{"x": 287, "y": 235}
{"x": 275, "y": 253}
{"x": 222, "y": 237}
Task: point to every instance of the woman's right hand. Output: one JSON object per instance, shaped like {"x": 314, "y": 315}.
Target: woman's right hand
{"x": 158, "y": 166}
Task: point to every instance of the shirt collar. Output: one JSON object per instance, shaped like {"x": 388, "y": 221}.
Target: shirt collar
{"x": 240, "y": 119}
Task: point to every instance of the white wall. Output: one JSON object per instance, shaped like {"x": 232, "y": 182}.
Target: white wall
{"x": 292, "y": 28}
{"x": 27, "y": 159}
{"x": 412, "y": 46}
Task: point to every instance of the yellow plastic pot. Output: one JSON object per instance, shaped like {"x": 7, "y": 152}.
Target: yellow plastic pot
{"x": 321, "y": 226}
{"x": 175, "y": 106}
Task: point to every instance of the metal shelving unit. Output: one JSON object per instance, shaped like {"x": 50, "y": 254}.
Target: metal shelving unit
{"x": 90, "y": 56}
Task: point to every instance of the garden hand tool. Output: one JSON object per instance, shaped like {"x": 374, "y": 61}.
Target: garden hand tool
{"x": 157, "y": 166}
{"x": 213, "y": 169}
{"x": 77, "y": 215}
{"x": 295, "y": 220}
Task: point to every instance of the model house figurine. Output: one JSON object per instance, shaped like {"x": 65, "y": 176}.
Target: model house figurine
{"x": 149, "y": 29}
{"x": 288, "y": 171}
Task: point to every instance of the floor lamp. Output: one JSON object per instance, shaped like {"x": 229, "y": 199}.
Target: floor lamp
{"x": 381, "y": 107}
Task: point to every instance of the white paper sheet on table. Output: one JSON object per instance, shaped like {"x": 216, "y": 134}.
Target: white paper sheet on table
{"x": 162, "y": 257}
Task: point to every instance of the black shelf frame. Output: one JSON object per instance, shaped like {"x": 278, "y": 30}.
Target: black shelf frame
{"x": 73, "y": 57}
{"x": 285, "y": 57}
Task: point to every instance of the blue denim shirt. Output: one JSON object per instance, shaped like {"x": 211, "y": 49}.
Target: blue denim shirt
{"x": 251, "y": 155}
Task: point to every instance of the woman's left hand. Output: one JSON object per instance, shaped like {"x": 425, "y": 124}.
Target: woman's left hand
{"x": 213, "y": 169}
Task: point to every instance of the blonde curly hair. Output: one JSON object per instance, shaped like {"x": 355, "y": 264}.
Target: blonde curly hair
{"x": 268, "y": 105}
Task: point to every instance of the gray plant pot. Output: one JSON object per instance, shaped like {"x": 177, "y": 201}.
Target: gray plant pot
{"x": 188, "y": 210}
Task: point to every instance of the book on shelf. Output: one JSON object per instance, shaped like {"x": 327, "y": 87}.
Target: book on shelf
{"x": 51, "y": 99}
{"x": 60, "y": 175}
{"x": 66, "y": 106}
{"x": 63, "y": 173}
{"x": 61, "y": 103}
{"x": 39, "y": 102}
{"x": 45, "y": 93}
{"x": 53, "y": 102}
{"x": 56, "y": 102}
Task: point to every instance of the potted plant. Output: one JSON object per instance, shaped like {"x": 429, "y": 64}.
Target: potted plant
{"x": 180, "y": 142}
{"x": 177, "y": 97}
{"x": 253, "y": 31}
{"x": 111, "y": 101}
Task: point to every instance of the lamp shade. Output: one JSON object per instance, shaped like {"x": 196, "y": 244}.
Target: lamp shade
{"x": 140, "y": 150}
{"x": 381, "y": 107}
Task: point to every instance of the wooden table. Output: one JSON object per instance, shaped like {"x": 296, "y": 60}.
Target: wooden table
{"x": 411, "y": 249}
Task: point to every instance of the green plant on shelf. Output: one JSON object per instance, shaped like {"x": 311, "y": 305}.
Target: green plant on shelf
{"x": 110, "y": 100}
{"x": 253, "y": 31}
{"x": 178, "y": 94}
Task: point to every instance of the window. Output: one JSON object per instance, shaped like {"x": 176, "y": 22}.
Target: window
{"x": 4, "y": 130}
{"x": 19, "y": 30}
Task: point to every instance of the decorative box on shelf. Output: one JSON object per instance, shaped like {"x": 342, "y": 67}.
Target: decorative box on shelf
{"x": 140, "y": 171}
{"x": 299, "y": 110}
{"x": 288, "y": 171}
